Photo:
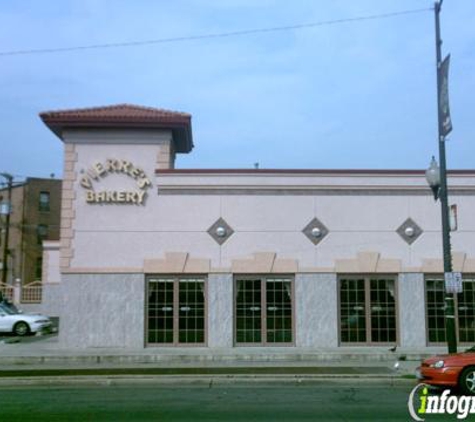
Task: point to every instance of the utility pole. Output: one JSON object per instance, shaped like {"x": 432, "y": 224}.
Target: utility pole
{"x": 445, "y": 127}
{"x": 9, "y": 179}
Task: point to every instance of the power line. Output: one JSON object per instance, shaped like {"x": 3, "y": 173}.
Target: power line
{"x": 212, "y": 36}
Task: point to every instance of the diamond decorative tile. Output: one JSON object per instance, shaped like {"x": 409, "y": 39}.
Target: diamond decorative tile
{"x": 409, "y": 231}
{"x": 220, "y": 231}
{"x": 315, "y": 231}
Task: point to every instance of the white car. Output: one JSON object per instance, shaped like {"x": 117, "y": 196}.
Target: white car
{"x": 14, "y": 321}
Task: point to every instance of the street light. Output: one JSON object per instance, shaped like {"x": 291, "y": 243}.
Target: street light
{"x": 433, "y": 178}
{"x": 437, "y": 177}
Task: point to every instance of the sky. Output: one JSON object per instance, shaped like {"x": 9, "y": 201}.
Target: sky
{"x": 354, "y": 95}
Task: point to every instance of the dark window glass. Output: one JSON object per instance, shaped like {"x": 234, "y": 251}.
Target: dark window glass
{"x": 176, "y": 310}
{"x": 41, "y": 233}
{"x": 383, "y": 311}
{"x": 264, "y": 310}
{"x": 191, "y": 311}
{"x": 367, "y": 310}
{"x": 352, "y": 311}
{"x": 466, "y": 312}
{"x": 279, "y": 311}
{"x": 464, "y": 306}
{"x": 249, "y": 311}
{"x": 435, "y": 310}
{"x": 44, "y": 199}
{"x": 39, "y": 268}
{"x": 160, "y": 311}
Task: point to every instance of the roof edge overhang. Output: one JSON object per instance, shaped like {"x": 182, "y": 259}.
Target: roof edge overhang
{"x": 81, "y": 119}
{"x": 329, "y": 172}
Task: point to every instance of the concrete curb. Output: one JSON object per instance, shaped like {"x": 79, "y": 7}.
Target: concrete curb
{"x": 199, "y": 358}
{"x": 201, "y": 380}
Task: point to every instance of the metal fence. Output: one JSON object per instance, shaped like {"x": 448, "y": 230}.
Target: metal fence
{"x": 31, "y": 292}
{"x": 26, "y": 293}
{"x": 7, "y": 291}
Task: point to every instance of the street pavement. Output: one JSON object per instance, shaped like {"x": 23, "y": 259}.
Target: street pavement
{"x": 38, "y": 359}
{"x": 330, "y": 400}
{"x": 47, "y": 349}
{"x": 41, "y": 381}
{"x": 6, "y": 338}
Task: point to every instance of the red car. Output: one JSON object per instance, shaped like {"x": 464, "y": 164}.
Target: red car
{"x": 456, "y": 370}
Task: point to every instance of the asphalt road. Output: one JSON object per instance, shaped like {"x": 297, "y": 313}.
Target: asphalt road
{"x": 30, "y": 338}
{"x": 316, "y": 401}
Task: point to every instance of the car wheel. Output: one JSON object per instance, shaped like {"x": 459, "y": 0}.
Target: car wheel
{"x": 21, "y": 328}
{"x": 467, "y": 381}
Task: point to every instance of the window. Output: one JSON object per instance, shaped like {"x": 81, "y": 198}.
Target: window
{"x": 41, "y": 233}
{"x": 176, "y": 310}
{"x": 465, "y": 312}
{"x": 44, "y": 204}
{"x": 435, "y": 310}
{"x": 464, "y": 307}
{"x": 39, "y": 268}
{"x": 263, "y": 310}
{"x": 367, "y": 310}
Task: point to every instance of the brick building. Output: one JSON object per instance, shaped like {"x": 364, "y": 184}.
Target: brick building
{"x": 35, "y": 217}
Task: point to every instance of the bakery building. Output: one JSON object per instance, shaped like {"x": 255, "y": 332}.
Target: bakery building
{"x": 155, "y": 256}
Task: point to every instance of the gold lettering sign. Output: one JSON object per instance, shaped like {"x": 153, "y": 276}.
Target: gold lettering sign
{"x": 100, "y": 170}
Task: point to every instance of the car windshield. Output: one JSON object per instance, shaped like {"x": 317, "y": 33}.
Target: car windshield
{"x": 8, "y": 309}
{"x": 471, "y": 349}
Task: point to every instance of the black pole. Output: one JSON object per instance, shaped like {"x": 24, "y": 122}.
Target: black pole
{"x": 443, "y": 195}
{"x": 7, "y": 227}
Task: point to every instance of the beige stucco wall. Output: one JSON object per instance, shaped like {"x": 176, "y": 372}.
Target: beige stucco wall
{"x": 267, "y": 213}
{"x": 107, "y": 248}
{"x": 51, "y": 273}
{"x": 88, "y": 229}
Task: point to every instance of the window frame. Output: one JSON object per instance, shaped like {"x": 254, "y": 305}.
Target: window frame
{"x": 440, "y": 277}
{"x": 39, "y": 266}
{"x": 176, "y": 300}
{"x": 263, "y": 279}
{"x": 40, "y": 238}
{"x": 367, "y": 286}
{"x": 44, "y": 207}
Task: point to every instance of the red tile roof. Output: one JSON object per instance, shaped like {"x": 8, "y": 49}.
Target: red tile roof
{"x": 123, "y": 116}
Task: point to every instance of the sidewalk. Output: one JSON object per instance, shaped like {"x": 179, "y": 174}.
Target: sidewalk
{"x": 44, "y": 357}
